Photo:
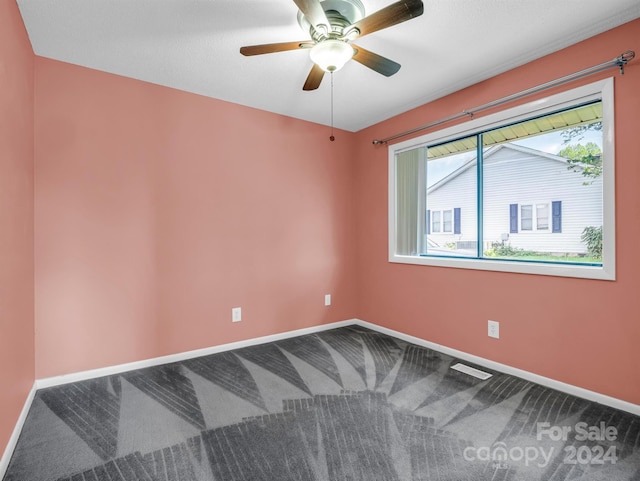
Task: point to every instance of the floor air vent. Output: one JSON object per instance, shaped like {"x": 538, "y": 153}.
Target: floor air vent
{"x": 471, "y": 371}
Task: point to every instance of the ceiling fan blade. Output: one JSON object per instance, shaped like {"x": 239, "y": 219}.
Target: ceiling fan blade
{"x": 274, "y": 47}
{"x": 391, "y": 15}
{"x": 314, "y": 12}
{"x": 314, "y": 78}
{"x": 375, "y": 62}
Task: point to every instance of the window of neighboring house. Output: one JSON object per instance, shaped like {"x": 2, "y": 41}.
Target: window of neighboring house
{"x": 526, "y": 217}
{"x": 499, "y": 170}
{"x": 435, "y": 226}
{"x": 529, "y": 213}
{"x": 542, "y": 217}
{"x": 440, "y": 221}
{"x": 447, "y": 221}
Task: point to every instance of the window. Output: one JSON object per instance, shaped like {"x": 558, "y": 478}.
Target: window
{"x": 529, "y": 212}
{"x": 436, "y": 221}
{"x": 526, "y": 217}
{"x": 442, "y": 221}
{"x": 515, "y": 191}
{"x": 542, "y": 216}
{"x": 447, "y": 221}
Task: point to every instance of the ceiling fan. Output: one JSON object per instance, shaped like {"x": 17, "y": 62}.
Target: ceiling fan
{"x": 333, "y": 24}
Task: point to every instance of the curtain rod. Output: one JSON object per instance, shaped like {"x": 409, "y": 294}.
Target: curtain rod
{"x": 619, "y": 62}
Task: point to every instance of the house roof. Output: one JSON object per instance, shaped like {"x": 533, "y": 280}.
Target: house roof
{"x": 490, "y": 152}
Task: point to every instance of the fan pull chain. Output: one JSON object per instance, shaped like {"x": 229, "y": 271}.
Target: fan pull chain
{"x": 332, "y": 137}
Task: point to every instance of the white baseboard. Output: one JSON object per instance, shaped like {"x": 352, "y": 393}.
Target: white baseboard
{"x": 526, "y": 375}
{"x": 13, "y": 440}
{"x": 117, "y": 369}
{"x": 107, "y": 371}
{"x": 529, "y": 376}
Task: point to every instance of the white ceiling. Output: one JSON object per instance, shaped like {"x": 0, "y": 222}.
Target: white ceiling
{"x": 193, "y": 45}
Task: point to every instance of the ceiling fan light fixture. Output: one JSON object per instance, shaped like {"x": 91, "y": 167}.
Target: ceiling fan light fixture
{"x": 331, "y": 55}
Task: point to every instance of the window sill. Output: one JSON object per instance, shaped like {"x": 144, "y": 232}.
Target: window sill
{"x": 598, "y": 272}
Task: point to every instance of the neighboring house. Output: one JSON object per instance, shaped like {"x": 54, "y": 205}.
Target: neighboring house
{"x": 532, "y": 201}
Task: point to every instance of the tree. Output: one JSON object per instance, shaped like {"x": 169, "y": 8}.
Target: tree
{"x": 592, "y": 236}
{"x": 569, "y": 134}
{"x": 584, "y": 158}
{"x": 588, "y": 159}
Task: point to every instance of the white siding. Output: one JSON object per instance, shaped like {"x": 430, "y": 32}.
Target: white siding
{"x": 517, "y": 177}
{"x": 459, "y": 192}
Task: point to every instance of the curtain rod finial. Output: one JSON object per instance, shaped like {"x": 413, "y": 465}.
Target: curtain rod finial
{"x": 624, "y": 59}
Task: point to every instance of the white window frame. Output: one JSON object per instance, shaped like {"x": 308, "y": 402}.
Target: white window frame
{"x": 450, "y": 231}
{"x": 535, "y": 210}
{"x": 600, "y": 90}
{"x": 441, "y": 230}
{"x": 434, "y": 214}
{"x": 534, "y": 220}
{"x": 521, "y": 217}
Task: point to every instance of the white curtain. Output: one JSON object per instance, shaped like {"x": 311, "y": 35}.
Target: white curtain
{"x": 410, "y": 201}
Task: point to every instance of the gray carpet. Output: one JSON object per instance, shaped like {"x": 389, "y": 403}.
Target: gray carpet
{"x": 344, "y": 404}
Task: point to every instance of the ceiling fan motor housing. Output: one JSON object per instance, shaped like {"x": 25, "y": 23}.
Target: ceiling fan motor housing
{"x": 340, "y": 13}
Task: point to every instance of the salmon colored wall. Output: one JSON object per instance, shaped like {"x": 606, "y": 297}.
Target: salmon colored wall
{"x": 157, "y": 211}
{"x": 582, "y": 332}
{"x": 16, "y": 218}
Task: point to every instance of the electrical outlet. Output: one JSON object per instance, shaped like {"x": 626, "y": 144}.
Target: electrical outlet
{"x": 494, "y": 329}
{"x": 236, "y": 314}
{"x": 327, "y": 299}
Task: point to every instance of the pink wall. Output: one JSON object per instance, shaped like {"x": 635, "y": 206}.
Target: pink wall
{"x": 16, "y": 218}
{"x": 157, "y": 211}
{"x": 582, "y": 332}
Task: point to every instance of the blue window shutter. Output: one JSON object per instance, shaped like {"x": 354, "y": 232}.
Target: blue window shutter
{"x": 456, "y": 220}
{"x": 428, "y": 221}
{"x": 513, "y": 218}
{"x": 556, "y": 216}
